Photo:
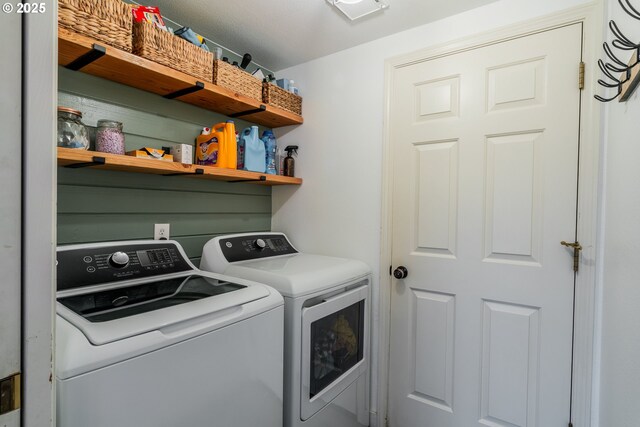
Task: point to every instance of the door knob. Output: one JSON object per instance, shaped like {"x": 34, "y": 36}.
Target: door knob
{"x": 400, "y": 272}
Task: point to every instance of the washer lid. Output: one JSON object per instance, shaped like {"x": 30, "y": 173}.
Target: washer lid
{"x": 299, "y": 274}
{"x": 170, "y": 305}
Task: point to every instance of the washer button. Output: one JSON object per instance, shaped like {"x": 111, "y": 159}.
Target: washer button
{"x": 87, "y": 259}
{"x": 91, "y": 269}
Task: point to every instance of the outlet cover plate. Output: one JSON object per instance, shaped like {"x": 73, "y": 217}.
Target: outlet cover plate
{"x": 161, "y": 232}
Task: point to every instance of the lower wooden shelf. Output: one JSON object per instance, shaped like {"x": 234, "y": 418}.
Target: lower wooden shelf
{"x": 74, "y": 158}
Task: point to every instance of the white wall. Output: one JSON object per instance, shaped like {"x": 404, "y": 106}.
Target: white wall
{"x": 337, "y": 209}
{"x": 620, "y": 349}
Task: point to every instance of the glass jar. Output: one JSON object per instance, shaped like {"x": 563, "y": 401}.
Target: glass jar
{"x": 109, "y": 137}
{"x": 71, "y": 131}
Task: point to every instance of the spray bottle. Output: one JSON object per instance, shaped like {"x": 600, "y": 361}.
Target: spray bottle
{"x": 289, "y": 162}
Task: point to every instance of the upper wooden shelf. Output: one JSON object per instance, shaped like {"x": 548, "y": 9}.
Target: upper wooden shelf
{"x": 75, "y": 158}
{"x": 123, "y": 67}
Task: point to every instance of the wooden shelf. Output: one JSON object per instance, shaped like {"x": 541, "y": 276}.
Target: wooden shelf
{"x": 74, "y": 158}
{"x": 123, "y": 67}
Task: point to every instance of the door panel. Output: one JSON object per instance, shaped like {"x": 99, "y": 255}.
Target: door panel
{"x": 437, "y": 180}
{"x": 512, "y": 198}
{"x": 509, "y": 364}
{"x": 433, "y": 321}
{"x": 485, "y": 149}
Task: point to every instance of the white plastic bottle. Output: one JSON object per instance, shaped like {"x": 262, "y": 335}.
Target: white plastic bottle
{"x": 292, "y": 87}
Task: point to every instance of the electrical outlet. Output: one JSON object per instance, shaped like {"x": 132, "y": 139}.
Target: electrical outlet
{"x": 161, "y": 232}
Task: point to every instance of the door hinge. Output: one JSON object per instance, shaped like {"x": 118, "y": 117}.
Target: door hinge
{"x": 10, "y": 394}
{"x": 386, "y": 421}
{"x": 576, "y": 253}
{"x": 581, "y": 76}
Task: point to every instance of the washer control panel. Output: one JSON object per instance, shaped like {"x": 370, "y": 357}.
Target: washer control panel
{"x": 94, "y": 265}
{"x": 255, "y": 246}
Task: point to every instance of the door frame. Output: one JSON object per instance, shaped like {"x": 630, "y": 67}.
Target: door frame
{"x": 39, "y": 195}
{"x": 591, "y": 17}
{"x": 11, "y": 209}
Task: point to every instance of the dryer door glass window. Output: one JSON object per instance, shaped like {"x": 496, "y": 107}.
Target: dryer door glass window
{"x": 128, "y": 301}
{"x": 336, "y": 345}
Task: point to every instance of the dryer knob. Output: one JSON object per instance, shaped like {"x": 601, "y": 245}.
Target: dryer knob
{"x": 119, "y": 259}
{"x": 260, "y": 244}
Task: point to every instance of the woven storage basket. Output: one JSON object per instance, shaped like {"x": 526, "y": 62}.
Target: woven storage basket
{"x": 108, "y": 21}
{"x": 237, "y": 80}
{"x": 278, "y": 97}
{"x": 164, "y": 48}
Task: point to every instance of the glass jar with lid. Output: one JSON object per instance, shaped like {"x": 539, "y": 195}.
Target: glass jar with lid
{"x": 109, "y": 137}
{"x": 71, "y": 131}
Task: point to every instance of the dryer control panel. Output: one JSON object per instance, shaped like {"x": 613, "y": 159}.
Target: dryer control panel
{"x": 89, "y": 265}
{"x": 255, "y": 246}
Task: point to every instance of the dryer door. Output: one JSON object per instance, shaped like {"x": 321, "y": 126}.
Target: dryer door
{"x": 334, "y": 347}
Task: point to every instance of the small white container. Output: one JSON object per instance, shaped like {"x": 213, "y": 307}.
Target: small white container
{"x": 182, "y": 153}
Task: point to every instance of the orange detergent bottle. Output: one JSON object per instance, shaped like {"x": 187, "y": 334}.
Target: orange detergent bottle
{"x": 227, "y": 149}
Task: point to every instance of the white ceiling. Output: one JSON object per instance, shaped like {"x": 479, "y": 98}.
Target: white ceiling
{"x": 282, "y": 33}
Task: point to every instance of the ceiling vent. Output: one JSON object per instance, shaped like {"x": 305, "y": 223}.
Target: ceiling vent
{"x": 355, "y": 9}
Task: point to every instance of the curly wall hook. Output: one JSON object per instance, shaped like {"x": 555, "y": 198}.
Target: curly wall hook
{"x": 629, "y": 71}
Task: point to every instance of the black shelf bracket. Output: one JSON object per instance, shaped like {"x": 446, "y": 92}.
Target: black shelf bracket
{"x": 262, "y": 178}
{"x": 196, "y": 172}
{"x": 262, "y": 109}
{"x": 96, "y": 161}
{"x": 97, "y": 51}
{"x": 186, "y": 91}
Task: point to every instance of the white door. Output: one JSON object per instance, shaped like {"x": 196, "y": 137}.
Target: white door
{"x": 485, "y": 146}
{"x": 10, "y": 218}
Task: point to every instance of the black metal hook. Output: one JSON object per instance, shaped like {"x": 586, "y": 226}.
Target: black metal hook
{"x": 631, "y": 11}
{"x": 623, "y": 43}
{"x": 607, "y": 84}
{"x": 601, "y": 99}
{"x": 603, "y": 67}
{"x": 613, "y": 56}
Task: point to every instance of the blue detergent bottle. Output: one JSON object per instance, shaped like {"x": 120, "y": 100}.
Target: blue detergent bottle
{"x": 254, "y": 150}
{"x": 270, "y": 146}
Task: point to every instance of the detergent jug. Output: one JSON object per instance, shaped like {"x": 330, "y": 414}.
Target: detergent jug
{"x": 240, "y": 144}
{"x": 228, "y": 150}
{"x": 207, "y": 146}
{"x": 269, "y": 141}
{"x": 254, "y": 150}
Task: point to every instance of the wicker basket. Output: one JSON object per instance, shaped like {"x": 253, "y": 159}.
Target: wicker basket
{"x": 164, "y": 48}
{"x": 278, "y": 97}
{"x": 108, "y": 21}
{"x": 237, "y": 80}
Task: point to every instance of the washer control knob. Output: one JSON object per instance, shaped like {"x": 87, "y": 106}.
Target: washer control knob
{"x": 119, "y": 259}
{"x": 261, "y": 244}
{"x": 400, "y": 272}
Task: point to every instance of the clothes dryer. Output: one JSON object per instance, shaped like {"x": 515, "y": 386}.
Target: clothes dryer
{"x": 326, "y": 353}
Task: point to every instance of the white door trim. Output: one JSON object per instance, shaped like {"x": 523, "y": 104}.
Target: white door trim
{"x": 40, "y": 80}
{"x": 591, "y": 16}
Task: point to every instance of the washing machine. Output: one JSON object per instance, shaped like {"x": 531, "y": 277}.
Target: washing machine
{"x": 326, "y": 342}
{"x": 143, "y": 338}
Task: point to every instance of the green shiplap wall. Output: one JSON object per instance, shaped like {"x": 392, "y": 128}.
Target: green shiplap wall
{"x": 96, "y": 206}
